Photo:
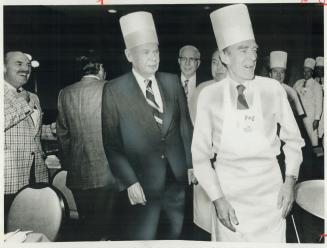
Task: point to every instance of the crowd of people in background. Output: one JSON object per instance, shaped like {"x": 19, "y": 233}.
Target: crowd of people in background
{"x": 131, "y": 145}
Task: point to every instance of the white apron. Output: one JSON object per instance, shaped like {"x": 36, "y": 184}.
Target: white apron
{"x": 308, "y": 97}
{"x": 250, "y": 184}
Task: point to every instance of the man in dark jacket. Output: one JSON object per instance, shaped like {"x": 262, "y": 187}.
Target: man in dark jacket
{"x": 147, "y": 136}
{"x": 80, "y": 138}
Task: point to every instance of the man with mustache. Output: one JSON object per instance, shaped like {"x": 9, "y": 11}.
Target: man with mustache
{"x": 147, "y": 136}
{"x": 237, "y": 119}
{"x": 24, "y": 159}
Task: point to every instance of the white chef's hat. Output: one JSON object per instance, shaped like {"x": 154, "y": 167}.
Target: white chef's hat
{"x": 29, "y": 56}
{"x": 231, "y": 25}
{"x": 138, "y": 28}
{"x": 309, "y": 62}
{"x": 278, "y": 59}
{"x": 34, "y": 63}
{"x": 320, "y": 61}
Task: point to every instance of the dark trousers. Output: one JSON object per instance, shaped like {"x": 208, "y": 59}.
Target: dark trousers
{"x": 8, "y": 199}
{"x": 94, "y": 208}
{"x": 190, "y": 230}
{"x": 161, "y": 217}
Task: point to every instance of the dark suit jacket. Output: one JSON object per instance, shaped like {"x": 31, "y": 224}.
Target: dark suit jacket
{"x": 137, "y": 149}
{"x": 80, "y": 136}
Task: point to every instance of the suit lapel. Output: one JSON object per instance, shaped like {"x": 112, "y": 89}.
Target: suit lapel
{"x": 167, "y": 104}
{"x": 140, "y": 106}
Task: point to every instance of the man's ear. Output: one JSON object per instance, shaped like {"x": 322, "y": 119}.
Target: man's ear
{"x": 128, "y": 55}
{"x": 199, "y": 62}
{"x": 224, "y": 57}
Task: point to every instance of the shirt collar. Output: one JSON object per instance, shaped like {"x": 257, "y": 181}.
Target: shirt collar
{"x": 91, "y": 76}
{"x": 12, "y": 87}
{"x": 140, "y": 78}
{"x": 191, "y": 79}
{"x": 234, "y": 84}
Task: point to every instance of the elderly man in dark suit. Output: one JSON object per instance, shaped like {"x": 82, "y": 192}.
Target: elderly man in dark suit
{"x": 80, "y": 138}
{"x": 147, "y": 136}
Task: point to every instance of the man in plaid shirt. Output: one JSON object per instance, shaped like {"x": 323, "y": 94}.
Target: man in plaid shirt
{"x": 24, "y": 161}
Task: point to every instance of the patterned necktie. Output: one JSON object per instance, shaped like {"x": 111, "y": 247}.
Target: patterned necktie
{"x": 152, "y": 102}
{"x": 241, "y": 101}
{"x": 186, "y": 87}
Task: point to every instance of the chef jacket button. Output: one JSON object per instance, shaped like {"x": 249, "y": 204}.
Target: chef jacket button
{"x": 162, "y": 156}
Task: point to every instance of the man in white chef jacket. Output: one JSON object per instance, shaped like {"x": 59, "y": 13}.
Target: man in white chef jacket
{"x": 278, "y": 64}
{"x": 237, "y": 118}
{"x": 310, "y": 93}
{"x": 319, "y": 70}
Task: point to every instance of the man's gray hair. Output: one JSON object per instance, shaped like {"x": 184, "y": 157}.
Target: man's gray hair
{"x": 196, "y": 51}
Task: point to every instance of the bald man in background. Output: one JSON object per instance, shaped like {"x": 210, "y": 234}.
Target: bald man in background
{"x": 24, "y": 158}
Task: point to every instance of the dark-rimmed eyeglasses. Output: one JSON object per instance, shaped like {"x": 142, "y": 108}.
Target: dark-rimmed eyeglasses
{"x": 185, "y": 59}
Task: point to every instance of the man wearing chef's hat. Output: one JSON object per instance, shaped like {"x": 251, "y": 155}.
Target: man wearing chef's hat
{"x": 237, "y": 118}
{"x": 147, "y": 135}
{"x": 320, "y": 79}
{"x": 310, "y": 92}
{"x": 319, "y": 70}
{"x": 278, "y": 65}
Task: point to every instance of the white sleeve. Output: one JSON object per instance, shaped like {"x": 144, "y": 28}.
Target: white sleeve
{"x": 318, "y": 101}
{"x": 202, "y": 149}
{"x": 290, "y": 134}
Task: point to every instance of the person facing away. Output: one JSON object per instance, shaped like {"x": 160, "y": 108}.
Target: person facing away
{"x": 23, "y": 155}
{"x": 80, "y": 140}
{"x": 237, "y": 119}
{"x": 147, "y": 136}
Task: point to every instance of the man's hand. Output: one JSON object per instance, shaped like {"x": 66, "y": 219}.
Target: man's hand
{"x": 225, "y": 213}
{"x": 286, "y": 196}
{"x": 191, "y": 178}
{"x": 136, "y": 194}
{"x": 315, "y": 124}
{"x": 53, "y": 128}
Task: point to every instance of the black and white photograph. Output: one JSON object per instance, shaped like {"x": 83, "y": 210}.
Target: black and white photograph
{"x": 171, "y": 123}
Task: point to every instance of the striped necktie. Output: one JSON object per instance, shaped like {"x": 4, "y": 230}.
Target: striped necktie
{"x": 152, "y": 102}
{"x": 241, "y": 101}
{"x": 186, "y": 87}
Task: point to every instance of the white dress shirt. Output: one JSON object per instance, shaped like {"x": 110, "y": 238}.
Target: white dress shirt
{"x": 155, "y": 89}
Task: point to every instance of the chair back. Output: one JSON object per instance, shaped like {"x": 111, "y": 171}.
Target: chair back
{"x": 59, "y": 181}
{"x": 309, "y": 195}
{"x": 39, "y": 208}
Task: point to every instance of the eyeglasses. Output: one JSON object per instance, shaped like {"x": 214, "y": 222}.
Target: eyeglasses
{"x": 191, "y": 60}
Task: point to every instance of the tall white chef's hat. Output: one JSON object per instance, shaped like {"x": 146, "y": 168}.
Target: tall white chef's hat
{"x": 231, "y": 25}
{"x": 309, "y": 62}
{"x": 34, "y": 63}
{"x": 320, "y": 61}
{"x": 138, "y": 28}
{"x": 278, "y": 59}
